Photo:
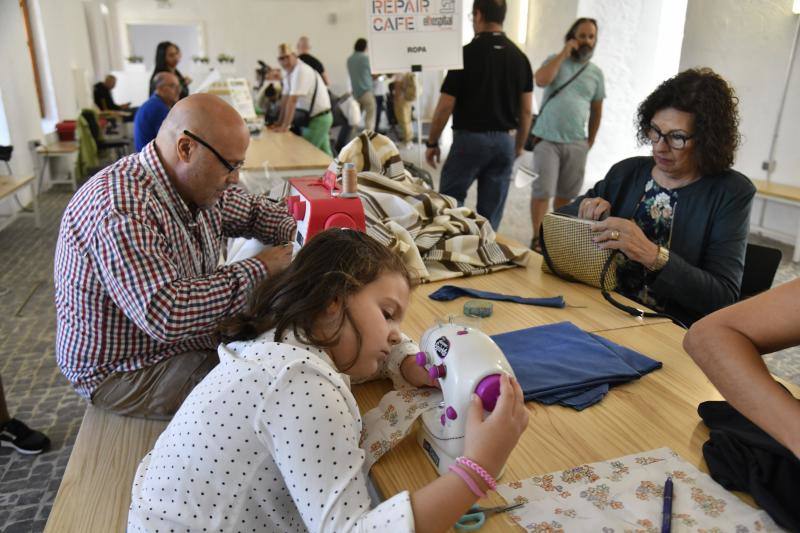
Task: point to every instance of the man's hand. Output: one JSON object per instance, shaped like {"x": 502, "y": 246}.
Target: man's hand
{"x": 276, "y": 258}
{"x": 415, "y": 374}
{"x": 433, "y": 156}
{"x": 569, "y": 46}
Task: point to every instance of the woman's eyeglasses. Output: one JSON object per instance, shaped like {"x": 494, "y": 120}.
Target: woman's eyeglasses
{"x": 674, "y": 139}
{"x": 231, "y": 168}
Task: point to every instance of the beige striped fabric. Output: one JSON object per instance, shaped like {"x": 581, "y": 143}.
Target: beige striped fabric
{"x": 437, "y": 239}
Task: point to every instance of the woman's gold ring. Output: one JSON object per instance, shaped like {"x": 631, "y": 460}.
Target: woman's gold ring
{"x": 614, "y": 235}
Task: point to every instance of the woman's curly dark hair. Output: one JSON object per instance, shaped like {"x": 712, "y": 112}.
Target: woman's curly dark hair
{"x": 334, "y": 264}
{"x": 714, "y": 104}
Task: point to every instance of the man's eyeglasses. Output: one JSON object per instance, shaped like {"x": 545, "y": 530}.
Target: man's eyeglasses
{"x": 231, "y": 168}
{"x": 675, "y": 140}
{"x": 283, "y": 58}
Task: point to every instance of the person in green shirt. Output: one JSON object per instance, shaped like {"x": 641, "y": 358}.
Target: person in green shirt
{"x": 560, "y": 156}
{"x": 361, "y": 80}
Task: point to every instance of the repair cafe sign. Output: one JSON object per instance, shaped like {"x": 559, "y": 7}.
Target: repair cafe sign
{"x": 409, "y": 33}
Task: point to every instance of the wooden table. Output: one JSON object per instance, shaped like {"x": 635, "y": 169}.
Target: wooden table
{"x": 658, "y": 410}
{"x": 779, "y": 193}
{"x": 57, "y": 149}
{"x": 586, "y": 307}
{"x": 10, "y": 186}
{"x": 284, "y": 152}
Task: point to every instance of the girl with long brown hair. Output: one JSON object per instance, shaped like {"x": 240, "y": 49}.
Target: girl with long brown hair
{"x": 269, "y": 440}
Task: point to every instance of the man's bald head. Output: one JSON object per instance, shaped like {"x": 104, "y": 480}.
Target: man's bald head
{"x": 303, "y": 45}
{"x": 110, "y": 81}
{"x": 206, "y": 115}
{"x": 196, "y": 171}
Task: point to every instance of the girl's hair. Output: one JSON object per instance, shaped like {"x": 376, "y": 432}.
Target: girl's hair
{"x": 161, "y": 55}
{"x": 713, "y": 102}
{"x": 334, "y": 264}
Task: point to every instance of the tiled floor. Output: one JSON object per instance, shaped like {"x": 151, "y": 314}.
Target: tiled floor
{"x": 38, "y": 394}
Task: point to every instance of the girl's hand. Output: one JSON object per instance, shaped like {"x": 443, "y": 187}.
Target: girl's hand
{"x": 594, "y": 208}
{"x": 489, "y": 441}
{"x": 415, "y": 374}
{"x": 616, "y": 233}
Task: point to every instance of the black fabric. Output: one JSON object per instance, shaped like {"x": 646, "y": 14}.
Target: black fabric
{"x": 741, "y": 456}
{"x": 103, "y": 99}
{"x": 709, "y": 235}
{"x": 184, "y": 88}
{"x": 488, "y": 89}
{"x": 312, "y": 62}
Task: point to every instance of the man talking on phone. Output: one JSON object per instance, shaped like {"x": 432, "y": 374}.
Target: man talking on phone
{"x": 574, "y": 92}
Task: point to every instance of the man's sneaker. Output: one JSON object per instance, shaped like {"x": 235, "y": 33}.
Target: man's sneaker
{"x": 17, "y": 435}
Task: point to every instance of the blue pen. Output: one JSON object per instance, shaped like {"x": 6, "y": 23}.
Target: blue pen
{"x": 666, "y": 512}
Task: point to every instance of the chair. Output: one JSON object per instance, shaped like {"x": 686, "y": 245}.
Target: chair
{"x": 120, "y": 146}
{"x": 5, "y": 157}
{"x": 760, "y": 265}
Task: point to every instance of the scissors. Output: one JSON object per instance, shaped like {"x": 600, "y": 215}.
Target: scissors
{"x": 475, "y": 517}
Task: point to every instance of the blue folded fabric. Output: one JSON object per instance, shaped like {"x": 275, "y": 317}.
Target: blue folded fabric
{"x": 445, "y": 293}
{"x": 561, "y": 363}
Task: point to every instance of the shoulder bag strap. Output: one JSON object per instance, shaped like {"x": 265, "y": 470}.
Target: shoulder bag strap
{"x": 555, "y": 92}
{"x": 634, "y": 311}
{"x": 313, "y": 96}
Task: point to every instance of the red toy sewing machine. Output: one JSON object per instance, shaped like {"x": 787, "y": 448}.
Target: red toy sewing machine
{"x": 317, "y": 204}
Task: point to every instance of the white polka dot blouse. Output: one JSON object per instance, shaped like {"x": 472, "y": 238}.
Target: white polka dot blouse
{"x": 268, "y": 441}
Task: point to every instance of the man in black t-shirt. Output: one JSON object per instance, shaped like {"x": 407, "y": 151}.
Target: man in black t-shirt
{"x": 303, "y": 49}
{"x": 491, "y": 96}
{"x": 102, "y": 95}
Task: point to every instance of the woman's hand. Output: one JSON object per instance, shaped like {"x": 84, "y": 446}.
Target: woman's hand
{"x": 616, "y": 233}
{"x": 489, "y": 441}
{"x": 594, "y": 208}
{"x": 415, "y": 374}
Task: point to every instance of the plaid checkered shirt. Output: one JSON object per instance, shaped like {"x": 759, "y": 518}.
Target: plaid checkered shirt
{"x": 137, "y": 275}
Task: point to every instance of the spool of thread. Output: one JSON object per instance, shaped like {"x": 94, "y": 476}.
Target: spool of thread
{"x": 349, "y": 181}
{"x": 478, "y": 308}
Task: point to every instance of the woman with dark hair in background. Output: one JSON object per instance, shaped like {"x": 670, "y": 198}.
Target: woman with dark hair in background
{"x": 168, "y": 55}
{"x": 680, "y": 217}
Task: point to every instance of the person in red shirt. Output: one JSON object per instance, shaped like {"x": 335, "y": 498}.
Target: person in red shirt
{"x": 138, "y": 285}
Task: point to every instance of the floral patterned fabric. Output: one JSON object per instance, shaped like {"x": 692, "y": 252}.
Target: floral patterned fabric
{"x": 654, "y": 215}
{"x": 625, "y": 495}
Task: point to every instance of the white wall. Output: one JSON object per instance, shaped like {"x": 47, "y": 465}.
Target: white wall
{"x": 748, "y": 43}
{"x": 18, "y": 92}
{"x": 252, "y": 29}
{"x": 62, "y": 38}
{"x": 18, "y": 88}
{"x": 638, "y": 46}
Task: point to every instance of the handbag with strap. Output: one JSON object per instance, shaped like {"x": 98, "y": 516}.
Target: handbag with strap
{"x": 533, "y": 140}
{"x": 570, "y": 253}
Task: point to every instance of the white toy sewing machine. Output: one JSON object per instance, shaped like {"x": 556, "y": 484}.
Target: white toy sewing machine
{"x": 464, "y": 360}
{"x": 318, "y": 204}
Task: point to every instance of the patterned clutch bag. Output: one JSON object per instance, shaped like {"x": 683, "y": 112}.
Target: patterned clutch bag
{"x": 569, "y": 252}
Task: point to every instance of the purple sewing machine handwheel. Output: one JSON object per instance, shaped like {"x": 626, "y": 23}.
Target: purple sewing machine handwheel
{"x": 489, "y": 390}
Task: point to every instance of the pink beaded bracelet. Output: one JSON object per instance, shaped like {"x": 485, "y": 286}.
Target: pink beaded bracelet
{"x": 468, "y": 480}
{"x": 478, "y": 469}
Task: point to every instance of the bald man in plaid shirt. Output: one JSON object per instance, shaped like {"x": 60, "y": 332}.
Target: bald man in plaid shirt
{"x": 138, "y": 287}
